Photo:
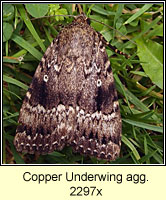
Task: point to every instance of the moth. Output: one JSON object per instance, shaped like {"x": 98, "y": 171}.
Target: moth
{"x": 72, "y": 99}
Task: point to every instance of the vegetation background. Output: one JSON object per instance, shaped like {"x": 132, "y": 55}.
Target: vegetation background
{"x": 27, "y": 33}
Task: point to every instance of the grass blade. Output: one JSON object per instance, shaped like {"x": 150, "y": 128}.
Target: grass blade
{"x": 20, "y": 41}
{"x": 139, "y": 13}
{"x": 15, "y": 82}
{"x": 30, "y": 26}
{"x": 144, "y": 125}
{"x": 131, "y": 146}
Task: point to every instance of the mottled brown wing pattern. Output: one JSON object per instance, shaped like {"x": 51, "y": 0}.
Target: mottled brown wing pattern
{"x": 72, "y": 99}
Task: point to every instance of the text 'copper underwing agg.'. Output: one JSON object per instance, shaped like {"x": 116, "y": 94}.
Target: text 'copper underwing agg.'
{"x": 72, "y": 99}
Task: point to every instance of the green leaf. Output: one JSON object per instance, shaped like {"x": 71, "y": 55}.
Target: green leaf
{"x": 7, "y": 31}
{"x": 68, "y": 7}
{"x": 62, "y": 11}
{"x": 53, "y": 8}
{"x": 37, "y": 10}
{"x": 134, "y": 23}
{"x": 8, "y": 12}
{"x": 147, "y": 28}
{"x": 151, "y": 56}
{"x": 157, "y": 31}
{"x": 96, "y": 25}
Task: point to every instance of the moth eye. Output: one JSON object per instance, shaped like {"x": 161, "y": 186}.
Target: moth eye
{"x": 45, "y": 78}
{"x": 99, "y": 83}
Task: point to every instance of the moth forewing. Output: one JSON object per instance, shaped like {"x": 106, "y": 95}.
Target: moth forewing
{"x": 72, "y": 99}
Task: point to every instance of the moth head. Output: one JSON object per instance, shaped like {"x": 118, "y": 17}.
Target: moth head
{"x": 81, "y": 19}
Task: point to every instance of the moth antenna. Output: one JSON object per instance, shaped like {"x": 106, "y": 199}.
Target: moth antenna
{"x": 112, "y": 29}
{"x": 117, "y": 51}
{"x": 88, "y": 21}
{"x": 53, "y": 16}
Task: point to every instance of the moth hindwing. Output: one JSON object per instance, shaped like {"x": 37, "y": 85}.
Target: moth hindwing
{"x": 72, "y": 99}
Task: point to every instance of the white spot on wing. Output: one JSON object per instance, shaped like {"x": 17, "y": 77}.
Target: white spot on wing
{"x": 49, "y": 65}
{"x": 99, "y": 83}
{"x": 29, "y": 137}
{"x": 45, "y": 78}
{"x": 57, "y": 68}
{"x": 82, "y": 112}
{"x": 107, "y": 64}
{"x": 28, "y": 95}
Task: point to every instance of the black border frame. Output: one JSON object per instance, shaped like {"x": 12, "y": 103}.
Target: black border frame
{"x": 1, "y": 95}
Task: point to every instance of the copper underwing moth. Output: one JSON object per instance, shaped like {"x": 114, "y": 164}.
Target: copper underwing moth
{"x": 72, "y": 99}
